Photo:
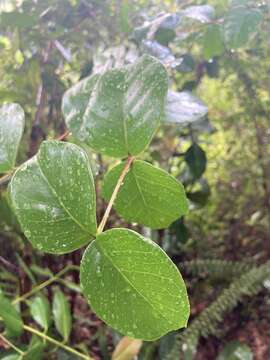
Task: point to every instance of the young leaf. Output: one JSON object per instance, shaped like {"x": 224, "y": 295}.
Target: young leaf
{"x": 127, "y": 349}
{"x": 124, "y": 107}
{"x": 62, "y": 315}
{"x": 12, "y": 319}
{"x": 239, "y": 24}
{"x": 133, "y": 285}
{"x": 11, "y": 129}
{"x": 149, "y": 195}
{"x": 183, "y": 108}
{"x": 196, "y": 159}
{"x": 53, "y": 196}
{"x": 213, "y": 42}
{"x": 40, "y": 311}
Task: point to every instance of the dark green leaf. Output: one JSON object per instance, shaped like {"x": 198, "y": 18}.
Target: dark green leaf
{"x": 239, "y": 24}
{"x": 133, "y": 286}
{"x": 235, "y": 350}
{"x": 11, "y": 129}
{"x": 183, "y": 108}
{"x": 11, "y": 317}
{"x": 187, "y": 64}
{"x": 123, "y": 109}
{"x": 54, "y": 198}
{"x": 40, "y": 311}
{"x": 62, "y": 314}
{"x": 213, "y": 42}
{"x": 196, "y": 159}
{"x": 149, "y": 195}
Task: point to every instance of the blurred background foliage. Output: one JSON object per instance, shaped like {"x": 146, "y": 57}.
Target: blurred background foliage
{"x": 215, "y": 140}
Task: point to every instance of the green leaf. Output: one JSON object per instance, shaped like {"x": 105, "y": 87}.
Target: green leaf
{"x": 53, "y": 196}
{"x": 62, "y": 314}
{"x": 14, "y": 356}
{"x": 11, "y": 129}
{"x": 11, "y": 317}
{"x": 239, "y": 24}
{"x": 40, "y": 311}
{"x": 148, "y": 196}
{"x": 133, "y": 286}
{"x": 118, "y": 112}
{"x": 213, "y": 42}
{"x": 183, "y": 108}
{"x": 235, "y": 350}
{"x": 196, "y": 159}
{"x": 35, "y": 351}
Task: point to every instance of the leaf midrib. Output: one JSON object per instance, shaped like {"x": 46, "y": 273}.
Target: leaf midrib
{"x": 60, "y": 201}
{"x": 99, "y": 247}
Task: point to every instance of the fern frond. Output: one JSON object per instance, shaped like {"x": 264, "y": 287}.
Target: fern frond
{"x": 249, "y": 284}
{"x": 220, "y": 268}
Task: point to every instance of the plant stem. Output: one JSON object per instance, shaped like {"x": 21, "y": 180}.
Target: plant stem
{"x": 45, "y": 283}
{"x": 11, "y": 345}
{"x": 6, "y": 177}
{"x": 124, "y": 172}
{"x": 56, "y": 342}
{"x": 64, "y": 135}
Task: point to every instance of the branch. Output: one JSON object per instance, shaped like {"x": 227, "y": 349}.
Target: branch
{"x": 114, "y": 194}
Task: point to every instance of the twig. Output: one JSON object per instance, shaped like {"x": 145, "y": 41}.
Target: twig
{"x": 6, "y": 177}
{"x": 12, "y": 268}
{"x": 11, "y": 345}
{"x": 57, "y": 343}
{"x": 44, "y": 284}
{"x": 114, "y": 194}
{"x": 63, "y": 136}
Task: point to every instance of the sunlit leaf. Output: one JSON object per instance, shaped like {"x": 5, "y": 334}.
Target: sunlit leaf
{"x": 133, "y": 285}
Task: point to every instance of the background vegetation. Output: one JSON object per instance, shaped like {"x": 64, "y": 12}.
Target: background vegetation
{"x": 221, "y": 54}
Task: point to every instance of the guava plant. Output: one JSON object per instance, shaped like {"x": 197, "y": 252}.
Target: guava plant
{"x": 127, "y": 279}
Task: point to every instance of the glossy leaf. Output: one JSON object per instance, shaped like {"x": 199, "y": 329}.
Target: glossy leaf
{"x": 148, "y": 196}
{"x": 11, "y": 317}
{"x": 133, "y": 285}
{"x": 53, "y": 197}
{"x": 184, "y": 108}
{"x": 213, "y": 41}
{"x": 202, "y": 13}
{"x": 124, "y": 107}
{"x": 235, "y": 350}
{"x": 11, "y": 129}
{"x": 196, "y": 159}
{"x": 40, "y": 311}
{"x": 62, "y": 314}
{"x": 239, "y": 24}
